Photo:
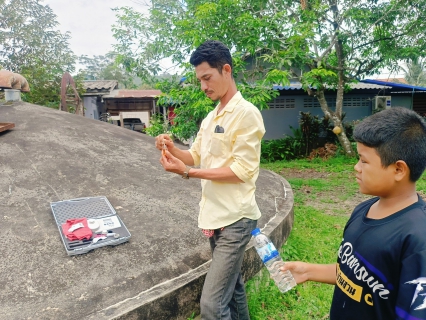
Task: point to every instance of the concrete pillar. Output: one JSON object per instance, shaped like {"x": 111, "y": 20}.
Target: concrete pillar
{"x": 12, "y": 95}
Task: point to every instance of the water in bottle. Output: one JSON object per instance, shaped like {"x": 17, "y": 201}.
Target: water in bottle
{"x": 272, "y": 260}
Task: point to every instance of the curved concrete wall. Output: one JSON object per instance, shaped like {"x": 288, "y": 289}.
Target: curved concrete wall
{"x": 52, "y": 155}
{"x": 179, "y": 297}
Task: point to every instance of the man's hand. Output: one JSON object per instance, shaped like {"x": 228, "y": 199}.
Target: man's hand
{"x": 171, "y": 163}
{"x": 163, "y": 141}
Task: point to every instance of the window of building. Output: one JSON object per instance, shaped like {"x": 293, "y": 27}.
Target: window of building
{"x": 282, "y": 102}
{"x": 331, "y": 102}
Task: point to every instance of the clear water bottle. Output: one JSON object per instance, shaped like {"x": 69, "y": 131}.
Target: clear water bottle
{"x": 272, "y": 260}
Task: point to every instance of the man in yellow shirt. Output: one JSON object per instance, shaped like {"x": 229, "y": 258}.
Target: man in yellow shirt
{"x": 227, "y": 151}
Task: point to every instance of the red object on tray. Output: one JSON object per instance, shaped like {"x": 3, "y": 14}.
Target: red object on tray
{"x": 77, "y": 229}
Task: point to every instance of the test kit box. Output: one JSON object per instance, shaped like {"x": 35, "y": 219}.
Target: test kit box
{"x": 107, "y": 229}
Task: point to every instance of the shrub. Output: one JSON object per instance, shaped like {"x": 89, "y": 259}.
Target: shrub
{"x": 280, "y": 149}
{"x": 157, "y": 125}
{"x": 309, "y": 139}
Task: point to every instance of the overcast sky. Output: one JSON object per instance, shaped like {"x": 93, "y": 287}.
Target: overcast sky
{"x": 89, "y": 22}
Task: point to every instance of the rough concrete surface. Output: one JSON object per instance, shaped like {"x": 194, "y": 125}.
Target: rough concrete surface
{"x": 51, "y": 156}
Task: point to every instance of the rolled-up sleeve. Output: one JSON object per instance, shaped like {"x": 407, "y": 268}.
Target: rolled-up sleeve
{"x": 247, "y": 145}
{"x": 195, "y": 149}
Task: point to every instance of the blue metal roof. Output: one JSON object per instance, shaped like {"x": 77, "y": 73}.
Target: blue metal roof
{"x": 395, "y": 85}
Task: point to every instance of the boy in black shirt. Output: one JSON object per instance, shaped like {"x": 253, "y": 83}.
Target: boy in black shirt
{"x": 381, "y": 265}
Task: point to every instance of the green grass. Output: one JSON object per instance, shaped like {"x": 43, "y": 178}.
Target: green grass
{"x": 320, "y": 190}
{"x": 336, "y": 164}
{"x": 421, "y": 184}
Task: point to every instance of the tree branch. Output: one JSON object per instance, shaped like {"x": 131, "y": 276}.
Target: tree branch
{"x": 381, "y": 39}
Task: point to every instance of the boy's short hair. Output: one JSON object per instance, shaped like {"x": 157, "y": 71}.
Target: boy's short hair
{"x": 214, "y": 52}
{"x": 396, "y": 134}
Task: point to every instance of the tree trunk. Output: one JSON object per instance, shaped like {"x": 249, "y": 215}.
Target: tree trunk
{"x": 346, "y": 144}
{"x": 336, "y": 118}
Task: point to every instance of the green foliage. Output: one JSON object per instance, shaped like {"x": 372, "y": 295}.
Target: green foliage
{"x": 192, "y": 317}
{"x": 287, "y": 148}
{"x": 319, "y": 78}
{"x": 323, "y": 44}
{"x": 421, "y": 184}
{"x": 279, "y": 149}
{"x": 415, "y": 71}
{"x": 191, "y": 105}
{"x": 157, "y": 125}
{"x": 259, "y": 95}
{"x": 31, "y": 45}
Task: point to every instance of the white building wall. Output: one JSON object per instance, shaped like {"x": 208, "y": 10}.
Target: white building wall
{"x": 91, "y": 110}
{"x": 143, "y": 115}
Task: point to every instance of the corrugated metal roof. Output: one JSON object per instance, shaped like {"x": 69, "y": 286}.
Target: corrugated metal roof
{"x": 359, "y": 85}
{"x": 100, "y": 84}
{"x": 394, "y": 85}
{"x": 132, "y": 94}
{"x": 292, "y": 86}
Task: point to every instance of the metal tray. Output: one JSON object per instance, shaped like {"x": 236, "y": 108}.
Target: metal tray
{"x": 90, "y": 208}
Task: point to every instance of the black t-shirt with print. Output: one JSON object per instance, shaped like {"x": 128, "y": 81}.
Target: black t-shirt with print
{"x": 381, "y": 266}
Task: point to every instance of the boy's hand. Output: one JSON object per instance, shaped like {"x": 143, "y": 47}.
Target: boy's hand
{"x": 302, "y": 272}
{"x": 163, "y": 142}
{"x": 298, "y": 269}
{"x": 171, "y": 163}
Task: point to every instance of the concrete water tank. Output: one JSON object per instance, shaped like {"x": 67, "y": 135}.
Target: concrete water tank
{"x": 158, "y": 274}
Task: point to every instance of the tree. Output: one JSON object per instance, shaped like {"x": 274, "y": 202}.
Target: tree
{"x": 31, "y": 45}
{"x": 415, "y": 71}
{"x": 136, "y": 53}
{"x": 325, "y": 44}
{"x": 105, "y": 68}
{"x": 191, "y": 105}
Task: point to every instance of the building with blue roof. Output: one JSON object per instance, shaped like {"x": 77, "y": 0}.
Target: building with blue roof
{"x": 358, "y": 103}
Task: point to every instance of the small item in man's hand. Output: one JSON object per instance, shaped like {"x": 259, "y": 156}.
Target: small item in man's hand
{"x": 164, "y": 148}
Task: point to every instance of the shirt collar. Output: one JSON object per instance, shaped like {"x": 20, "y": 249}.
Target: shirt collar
{"x": 231, "y": 104}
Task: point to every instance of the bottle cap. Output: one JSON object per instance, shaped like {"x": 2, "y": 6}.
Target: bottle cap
{"x": 255, "y": 232}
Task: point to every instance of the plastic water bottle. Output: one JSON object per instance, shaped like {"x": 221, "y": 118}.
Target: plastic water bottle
{"x": 272, "y": 260}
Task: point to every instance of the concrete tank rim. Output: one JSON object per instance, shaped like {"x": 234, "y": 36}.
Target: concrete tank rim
{"x": 144, "y": 299}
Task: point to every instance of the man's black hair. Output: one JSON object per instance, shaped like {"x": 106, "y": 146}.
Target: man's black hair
{"x": 396, "y": 134}
{"x": 214, "y": 52}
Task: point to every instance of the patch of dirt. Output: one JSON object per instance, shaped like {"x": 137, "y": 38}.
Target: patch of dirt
{"x": 292, "y": 173}
{"x": 330, "y": 202}
{"x": 333, "y": 205}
